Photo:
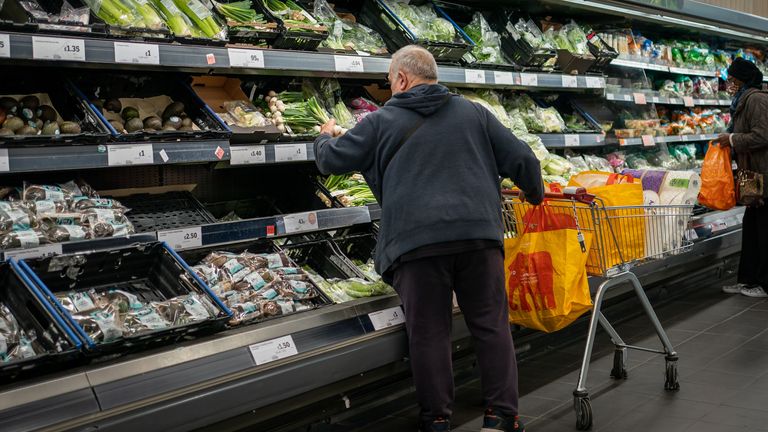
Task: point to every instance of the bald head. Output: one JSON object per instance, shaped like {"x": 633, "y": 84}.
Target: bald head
{"x": 411, "y": 65}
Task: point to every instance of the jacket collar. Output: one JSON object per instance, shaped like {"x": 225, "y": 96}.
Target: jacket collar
{"x": 743, "y": 99}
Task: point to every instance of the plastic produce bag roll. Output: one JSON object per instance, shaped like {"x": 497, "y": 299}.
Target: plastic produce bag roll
{"x": 680, "y": 188}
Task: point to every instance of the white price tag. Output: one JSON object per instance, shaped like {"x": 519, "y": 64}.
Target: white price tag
{"x": 571, "y": 140}
{"x": 183, "y": 238}
{"x": 648, "y": 140}
{"x": 474, "y": 76}
{"x": 529, "y": 80}
{"x": 688, "y": 101}
{"x": 272, "y": 350}
{"x": 503, "y": 78}
{"x": 627, "y": 98}
{"x": 639, "y": 98}
{"x": 387, "y": 318}
{"x": 50, "y": 48}
{"x": 5, "y": 163}
{"x": 164, "y": 155}
{"x": 595, "y": 82}
{"x": 5, "y": 45}
{"x": 300, "y": 222}
{"x": 137, "y": 53}
{"x": 129, "y": 154}
{"x": 570, "y": 81}
{"x": 246, "y": 58}
{"x": 685, "y": 137}
{"x": 247, "y": 155}
{"x": 655, "y": 99}
{"x": 290, "y": 152}
{"x": 35, "y": 252}
{"x": 348, "y": 63}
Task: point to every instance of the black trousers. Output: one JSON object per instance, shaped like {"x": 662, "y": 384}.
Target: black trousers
{"x": 753, "y": 264}
{"x": 426, "y": 287}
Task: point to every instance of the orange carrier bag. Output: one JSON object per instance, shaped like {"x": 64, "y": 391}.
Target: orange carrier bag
{"x": 718, "y": 190}
{"x": 546, "y": 278}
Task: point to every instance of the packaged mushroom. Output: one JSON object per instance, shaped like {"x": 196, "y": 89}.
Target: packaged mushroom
{"x": 15, "y": 343}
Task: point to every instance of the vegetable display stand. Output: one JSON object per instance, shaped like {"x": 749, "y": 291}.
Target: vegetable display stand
{"x": 166, "y": 211}
{"x": 40, "y": 110}
{"x": 250, "y": 208}
{"x": 603, "y": 53}
{"x": 35, "y": 337}
{"x": 320, "y": 256}
{"x": 256, "y": 280}
{"x": 380, "y": 17}
{"x": 517, "y": 45}
{"x": 465, "y": 20}
{"x": 124, "y": 100}
{"x": 621, "y": 237}
{"x": 43, "y": 16}
{"x": 128, "y": 298}
{"x": 217, "y": 92}
{"x": 295, "y": 35}
{"x": 257, "y": 34}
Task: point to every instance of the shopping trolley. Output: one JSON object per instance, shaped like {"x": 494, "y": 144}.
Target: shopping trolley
{"x": 622, "y": 238}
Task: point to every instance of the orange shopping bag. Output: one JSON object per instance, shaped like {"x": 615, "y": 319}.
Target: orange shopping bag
{"x": 546, "y": 277}
{"x": 718, "y": 191}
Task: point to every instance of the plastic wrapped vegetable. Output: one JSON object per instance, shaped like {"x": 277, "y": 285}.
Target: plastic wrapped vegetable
{"x": 576, "y": 37}
{"x": 342, "y": 115}
{"x": 579, "y": 164}
{"x": 423, "y": 22}
{"x": 490, "y": 102}
{"x": 177, "y": 22}
{"x": 244, "y": 114}
{"x": 487, "y": 42}
{"x": 203, "y": 18}
{"x": 346, "y": 34}
{"x": 293, "y": 15}
{"x": 551, "y": 120}
{"x": 532, "y": 35}
{"x": 535, "y": 143}
{"x": 559, "y": 166}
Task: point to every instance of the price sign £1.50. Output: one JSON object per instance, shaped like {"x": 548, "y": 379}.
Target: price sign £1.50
{"x": 273, "y": 350}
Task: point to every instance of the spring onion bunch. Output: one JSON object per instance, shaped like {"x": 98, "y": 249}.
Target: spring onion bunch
{"x": 240, "y": 12}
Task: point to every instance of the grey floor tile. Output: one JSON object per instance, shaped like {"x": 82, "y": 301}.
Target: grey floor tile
{"x": 536, "y": 406}
{"x": 720, "y": 379}
{"x": 750, "y": 399}
{"x": 753, "y": 420}
{"x": 743, "y": 361}
{"x": 641, "y": 421}
{"x": 702, "y": 426}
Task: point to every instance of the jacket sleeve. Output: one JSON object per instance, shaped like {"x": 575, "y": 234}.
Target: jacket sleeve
{"x": 514, "y": 159}
{"x": 757, "y": 137}
{"x": 353, "y": 151}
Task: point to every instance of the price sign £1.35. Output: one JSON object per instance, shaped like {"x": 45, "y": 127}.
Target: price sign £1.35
{"x": 51, "y": 48}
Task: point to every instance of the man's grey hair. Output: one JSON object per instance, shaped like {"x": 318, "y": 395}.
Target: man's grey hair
{"x": 415, "y": 60}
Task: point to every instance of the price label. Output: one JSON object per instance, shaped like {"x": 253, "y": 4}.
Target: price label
{"x": 622, "y": 142}
{"x": 35, "y": 252}
{"x": 290, "y": 152}
{"x": 595, "y": 82}
{"x": 688, "y": 101}
{"x": 648, "y": 140}
{"x": 474, "y": 76}
{"x": 5, "y": 45}
{"x": 5, "y": 163}
{"x": 503, "y": 78}
{"x": 246, "y": 58}
{"x": 529, "y": 80}
{"x": 183, "y": 238}
{"x": 348, "y": 63}
{"x": 273, "y": 350}
{"x": 570, "y": 81}
{"x": 627, "y": 98}
{"x": 639, "y": 98}
{"x": 247, "y": 155}
{"x": 129, "y": 154}
{"x": 137, "y": 53}
{"x": 300, "y": 222}
{"x": 571, "y": 140}
{"x": 655, "y": 99}
{"x": 387, "y": 318}
{"x": 49, "y": 48}
{"x": 685, "y": 137}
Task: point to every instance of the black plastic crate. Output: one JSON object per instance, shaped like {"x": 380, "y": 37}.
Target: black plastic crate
{"x": 603, "y": 53}
{"x": 63, "y": 99}
{"x": 152, "y": 272}
{"x": 13, "y": 11}
{"x": 166, "y": 211}
{"x": 513, "y": 44}
{"x": 261, "y": 246}
{"x": 376, "y": 15}
{"x": 256, "y": 36}
{"x": 293, "y": 37}
{"x": 116, "y": 86}
{"x": 249, "y": 208}
{"x": 59, "y": 345}
{"x": 321, "y": 256}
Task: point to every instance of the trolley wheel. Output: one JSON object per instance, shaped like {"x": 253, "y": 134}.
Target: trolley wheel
{"x": 671, "y": 383}
{"x": 583, "y": 412}
{"x": 619, "y": 370}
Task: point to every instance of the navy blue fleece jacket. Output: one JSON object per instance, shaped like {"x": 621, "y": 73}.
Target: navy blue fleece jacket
{"x": 443, "y": 183}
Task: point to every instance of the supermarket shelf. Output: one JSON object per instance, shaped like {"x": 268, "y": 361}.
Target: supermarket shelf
{"x": 695, "y": 72}
{"x": 655, "y": 97}
{"x": 639, "y": 64}
{"x": 196, "y": 383}
{"x": 121, "y": 54}
{"x": 662, "y": 139}
{"x": 27, "y": 159}
{"x": 556, "y": 141}
{"x": 271, "y": 153}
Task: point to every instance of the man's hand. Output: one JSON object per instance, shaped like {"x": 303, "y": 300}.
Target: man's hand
{"x": 328, "y": 127}
{"x": 723, "y": 140}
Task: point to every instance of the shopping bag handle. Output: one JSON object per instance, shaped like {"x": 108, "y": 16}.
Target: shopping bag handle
{"x": 573, "y": 193}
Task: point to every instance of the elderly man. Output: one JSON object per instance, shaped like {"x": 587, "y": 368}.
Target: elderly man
{"x": 433, "y": 161}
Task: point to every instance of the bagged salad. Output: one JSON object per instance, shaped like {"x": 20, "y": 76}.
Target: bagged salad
{"x": 423, "y": 22}
{"x": 347, "y": 34}
{"x": 487, "y": 42}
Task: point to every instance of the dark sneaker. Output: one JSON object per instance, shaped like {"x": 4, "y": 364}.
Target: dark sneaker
{"x": 495, "y": 422}
{"x": 437, "y": 425}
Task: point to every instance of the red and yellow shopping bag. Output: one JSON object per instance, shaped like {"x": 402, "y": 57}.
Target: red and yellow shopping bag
{"x": 546, "y": 277}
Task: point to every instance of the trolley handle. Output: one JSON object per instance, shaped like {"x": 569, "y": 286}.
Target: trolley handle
{"x": 574, "y": 193}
